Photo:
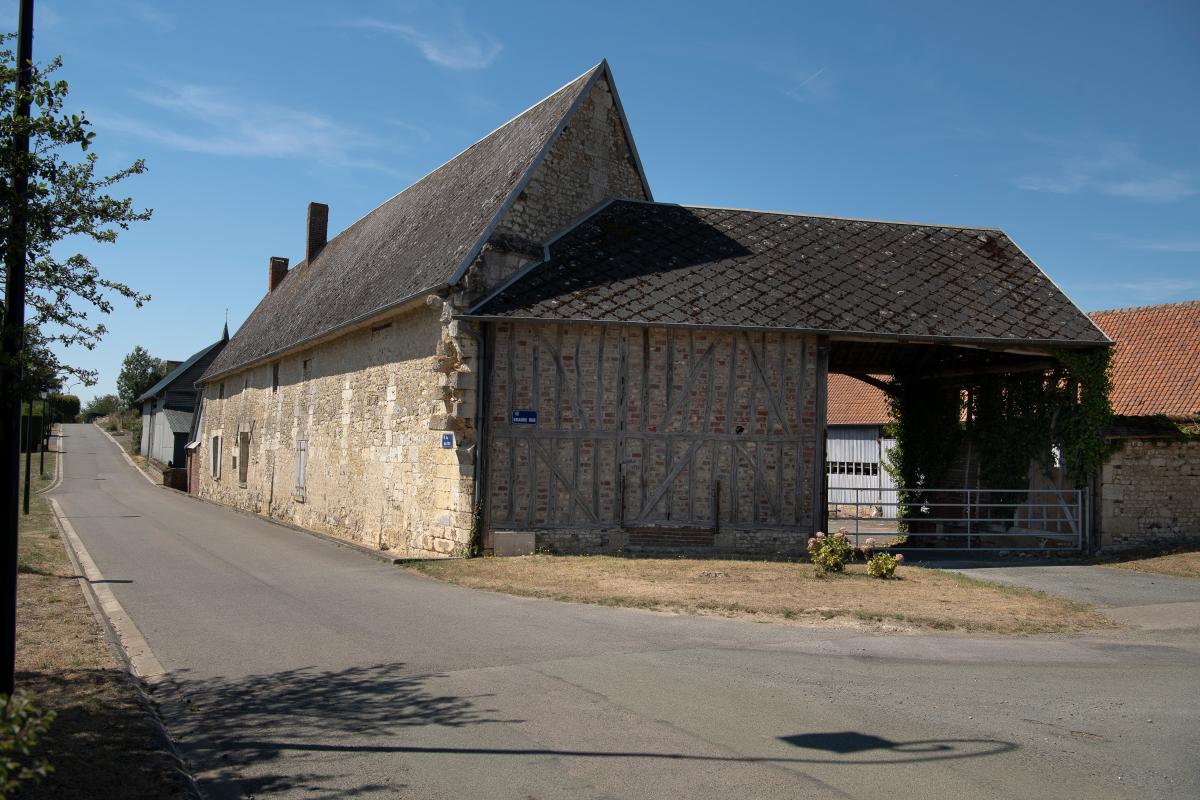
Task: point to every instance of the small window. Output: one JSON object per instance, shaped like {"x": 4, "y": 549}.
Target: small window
{"x": 243, "y": 465}
{"x": 216, "y": 456}
{"x": 275, "y": 377}
{"x": 301, "y": 465}
{"x": 221, "y": 390}
{"x": 306, "y": 368}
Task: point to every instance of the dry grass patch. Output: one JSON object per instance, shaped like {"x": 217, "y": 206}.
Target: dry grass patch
{"x": 920, "y": 599}
{"x": 102, "y": 743}
{"x": 1179, "y": 565}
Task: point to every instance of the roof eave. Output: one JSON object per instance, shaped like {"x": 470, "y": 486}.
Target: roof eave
{"x": 833, "y": 334}
{"x": 336, "y": 332}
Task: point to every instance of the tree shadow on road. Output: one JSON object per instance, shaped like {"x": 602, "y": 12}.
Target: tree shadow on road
{"x": 240, "y": 728}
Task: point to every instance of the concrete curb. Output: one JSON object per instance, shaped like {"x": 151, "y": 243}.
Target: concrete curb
{"x": 124, "y": 638}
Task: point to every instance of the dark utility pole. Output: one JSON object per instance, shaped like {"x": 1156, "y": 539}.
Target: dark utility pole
{"x": 12, "y": 340}
{"x": 45, "y": 437}
{"x": 28, "y": 455}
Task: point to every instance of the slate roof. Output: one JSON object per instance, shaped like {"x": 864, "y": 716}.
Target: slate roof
{"x": 850, "y": 401}
{"x": 178, "y": 421}
{"x": 1156, "y": 361}
{"x": 659, "y": 263}
{"x": 418, "y": 241}
{"x": 181, "y": 371}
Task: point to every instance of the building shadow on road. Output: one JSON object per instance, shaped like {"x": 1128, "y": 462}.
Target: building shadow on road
{"x": 290, "y": 731}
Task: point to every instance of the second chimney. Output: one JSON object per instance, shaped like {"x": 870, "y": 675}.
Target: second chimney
{"x": 318, "y": 230}
{"x": 276, "y": 272}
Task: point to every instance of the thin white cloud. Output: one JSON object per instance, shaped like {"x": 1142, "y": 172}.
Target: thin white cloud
{"x": 1172, "y": 246}
{"x": 1159, "y": 286}
{"x": 454, "y": 47}
{"x": 149, "y": 14}
{"x": 1170, "y": 187}
{"x": 1107, "y": 167}
{"x": 204, "y": 119}
{"x": 818, "y": 86}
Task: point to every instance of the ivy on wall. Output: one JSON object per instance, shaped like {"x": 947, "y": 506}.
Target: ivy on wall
{"x": 1011, "y": 420}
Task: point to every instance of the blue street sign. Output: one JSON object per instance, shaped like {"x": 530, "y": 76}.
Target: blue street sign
{"x": 524, "y": 416}
{"x": 447, "y": 440}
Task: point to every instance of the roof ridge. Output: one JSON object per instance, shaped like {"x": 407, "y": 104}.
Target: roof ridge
{"x": 1154, "y": 307}
{"x": 819, "y": 216}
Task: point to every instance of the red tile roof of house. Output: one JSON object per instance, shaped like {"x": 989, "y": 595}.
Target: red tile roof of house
{"x": 852, "y": 402}
{"x": 1156, "y": 361}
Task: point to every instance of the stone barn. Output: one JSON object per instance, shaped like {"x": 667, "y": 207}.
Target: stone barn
{"x": 1150, "y": 488}
{"x": 523, "y": 350}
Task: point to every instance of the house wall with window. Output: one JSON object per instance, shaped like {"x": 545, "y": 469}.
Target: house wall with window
{"x": 373, "y": 471}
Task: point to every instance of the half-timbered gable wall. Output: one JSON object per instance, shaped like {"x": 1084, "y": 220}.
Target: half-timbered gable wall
{"x": 605, "y": 437}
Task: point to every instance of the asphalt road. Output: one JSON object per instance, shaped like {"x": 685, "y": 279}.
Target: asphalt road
{"x": 304, "y": 669}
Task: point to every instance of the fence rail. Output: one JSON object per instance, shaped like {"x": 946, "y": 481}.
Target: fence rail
{"x": 963, "y": 519}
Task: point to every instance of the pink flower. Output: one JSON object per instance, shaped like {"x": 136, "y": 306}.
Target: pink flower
{"x": 899, "y": 558}
{"x": 812, "y": 542}
{"x": 819, "y": 535}
{"x": 840, "y": 535}
{"x": 870, "y": 542}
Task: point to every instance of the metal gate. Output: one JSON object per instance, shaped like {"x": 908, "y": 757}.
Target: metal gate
{"x": 965, "y": 519}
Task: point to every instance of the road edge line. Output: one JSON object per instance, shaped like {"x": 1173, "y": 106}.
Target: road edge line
{"x": 88, "y": 574}
{"x": 142, "y": 661}
{"x": 132, "y": 463}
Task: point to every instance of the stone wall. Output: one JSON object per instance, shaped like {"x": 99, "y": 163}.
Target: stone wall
{"x": 372, "y": 406}
{"x": 652, "y": 438}
{"x": 1150, "y": 495}
{"x": 592, "y": 161}
{"x": 376, "y": 474}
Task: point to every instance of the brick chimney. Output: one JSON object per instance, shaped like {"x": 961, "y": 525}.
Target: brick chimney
{"x": 318, "y": 229}
{"x": 276, "y": 272}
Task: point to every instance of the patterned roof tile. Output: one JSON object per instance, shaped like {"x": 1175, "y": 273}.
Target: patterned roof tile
{"x": 811, "y": 273}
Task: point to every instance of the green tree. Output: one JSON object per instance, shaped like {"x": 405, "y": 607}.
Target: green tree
{"x": 102, "y": 405}
{"x": 139, "y": 371}
{"x": 67, "y": 198}
{"x": 64, "y": 406}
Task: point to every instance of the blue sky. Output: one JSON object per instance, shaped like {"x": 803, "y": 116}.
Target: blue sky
{"x": 1073, "y": 126}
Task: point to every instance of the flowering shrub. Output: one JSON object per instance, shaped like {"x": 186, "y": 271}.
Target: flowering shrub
{"x": 830, "y": 553}
{"x": 883, "y": 565}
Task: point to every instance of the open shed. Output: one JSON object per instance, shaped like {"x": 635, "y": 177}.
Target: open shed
{"x": 658, "y": 380}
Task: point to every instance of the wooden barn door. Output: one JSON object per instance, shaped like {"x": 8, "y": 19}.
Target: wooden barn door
{"x": 670, "y": 435}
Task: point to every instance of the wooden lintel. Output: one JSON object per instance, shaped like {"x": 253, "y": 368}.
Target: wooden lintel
{"x": 1034, "y": 365}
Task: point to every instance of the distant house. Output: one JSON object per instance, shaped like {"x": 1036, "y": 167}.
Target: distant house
{"x": 1149, "y": 492}
{"x": 168, "y": 406}
{"x": 856, "y": 445}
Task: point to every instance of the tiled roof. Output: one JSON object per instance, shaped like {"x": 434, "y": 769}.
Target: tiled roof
{"x": 416, "y": 242}
{"x": 854, "y": 402}
{"x": 1156, "y": 361}
{"x": 668, "y": 264}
